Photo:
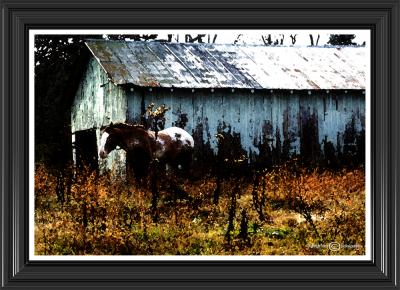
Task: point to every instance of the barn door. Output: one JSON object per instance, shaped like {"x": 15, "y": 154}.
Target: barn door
{"x": 86, "y": 149}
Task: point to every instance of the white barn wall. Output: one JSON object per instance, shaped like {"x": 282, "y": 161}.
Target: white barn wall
{"x": 253, "y": 115}
{"x": 97, "y": 103}
{"x": 257, "y": 115}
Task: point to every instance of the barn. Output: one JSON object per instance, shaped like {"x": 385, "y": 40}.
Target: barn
{"x": 270, "y": 102}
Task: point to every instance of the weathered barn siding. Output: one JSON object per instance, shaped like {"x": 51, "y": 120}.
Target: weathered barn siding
{"x": 273, "y": 102}
{"x": 278, "y": 117}
{"x": 99, "y": 102}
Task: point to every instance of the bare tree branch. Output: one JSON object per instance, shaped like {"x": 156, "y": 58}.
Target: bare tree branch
{"x": 312, "y": 40}
{"x": 267, "y": 41}
{"x": 237, "y": 39}
{"x": 293, "y": 37}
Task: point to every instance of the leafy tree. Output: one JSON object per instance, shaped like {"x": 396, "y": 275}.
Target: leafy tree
{"x": 135, "y": 37}
{"x": 268, "y": 40}
{"x": 342, "y": 39}
{"x": 59, "y": 63}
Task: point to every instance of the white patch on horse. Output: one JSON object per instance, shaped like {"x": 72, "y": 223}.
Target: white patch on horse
{"x": 177, "y": 133}
{"x": 161, "y": 147}
{"x": 103, "y": 142}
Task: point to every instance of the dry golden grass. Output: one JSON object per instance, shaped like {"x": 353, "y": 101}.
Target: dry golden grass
{"x": 283, "y": 212}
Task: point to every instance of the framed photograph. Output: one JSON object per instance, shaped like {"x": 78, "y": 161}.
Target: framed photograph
{"x": 147, "y": 147}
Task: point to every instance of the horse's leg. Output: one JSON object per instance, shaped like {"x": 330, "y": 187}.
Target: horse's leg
{"x": 176, "y": 180}
{"x": 140, "y": 163}
{"x": 185, "y": 162}
{"x": 167, "y": 168}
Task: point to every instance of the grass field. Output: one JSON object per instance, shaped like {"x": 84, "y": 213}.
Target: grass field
{"x": 276, "y": 212}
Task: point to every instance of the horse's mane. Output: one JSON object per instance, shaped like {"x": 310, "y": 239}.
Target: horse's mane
{"x": 125, "y": 126}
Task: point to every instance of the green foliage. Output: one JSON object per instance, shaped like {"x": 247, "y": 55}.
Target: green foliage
{"x": 342, "y": 39}
{"x": 60, "y": 61}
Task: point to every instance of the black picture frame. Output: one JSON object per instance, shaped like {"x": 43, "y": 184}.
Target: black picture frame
{"x": 380, "y": 16}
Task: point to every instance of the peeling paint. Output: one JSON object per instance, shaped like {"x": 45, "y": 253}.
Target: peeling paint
{"x": 96, "y": 106}
{"x": 268, "y": 126}
{"x": 272, "y": 127}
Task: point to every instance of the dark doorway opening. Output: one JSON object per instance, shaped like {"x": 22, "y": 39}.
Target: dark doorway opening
{"x": 86, "y": 149}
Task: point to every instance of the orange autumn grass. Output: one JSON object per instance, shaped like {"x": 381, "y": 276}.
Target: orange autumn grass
{"x": 280, "y": 212}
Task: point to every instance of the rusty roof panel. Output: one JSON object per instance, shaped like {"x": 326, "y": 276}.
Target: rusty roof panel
{"x": 183, "y": 65}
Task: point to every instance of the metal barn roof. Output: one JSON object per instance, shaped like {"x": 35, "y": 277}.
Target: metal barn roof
{"x": 183, "y": 65}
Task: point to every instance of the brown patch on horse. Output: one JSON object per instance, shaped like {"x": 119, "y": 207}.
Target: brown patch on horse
{"x": 142, "y": 146}
{"x": 136, "y": 142}
{"x": 175, "y": 153}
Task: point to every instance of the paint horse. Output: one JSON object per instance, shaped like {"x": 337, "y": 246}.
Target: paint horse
{"x": 173, "y": 147}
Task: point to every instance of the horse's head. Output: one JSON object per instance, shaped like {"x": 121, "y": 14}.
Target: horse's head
{"x": 110, "y": 139}
{"x": 126, "y": 136}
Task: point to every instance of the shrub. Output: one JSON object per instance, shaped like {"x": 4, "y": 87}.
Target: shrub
{"x": 288, "y": 210}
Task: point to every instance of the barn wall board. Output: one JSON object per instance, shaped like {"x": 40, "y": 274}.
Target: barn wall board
{"x": 288, "y": 120}
{"x": 274, "y": 123}
{"x": 97, "y": 103}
